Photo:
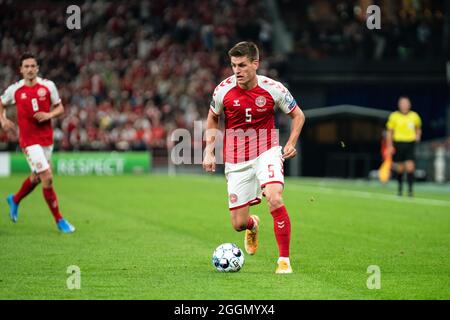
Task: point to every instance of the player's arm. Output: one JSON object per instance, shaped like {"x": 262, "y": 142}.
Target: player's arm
{"x": 57, "y": 110}
{"x": 390, "y": 125}
{"x": 418, "y": 134}
{"x": 212, "y": 125}
{"x": 5, "y": 123}
{"x": 418, "y": 129}
{"x": 298, "y": 120}
{"x": 389, "y": 143}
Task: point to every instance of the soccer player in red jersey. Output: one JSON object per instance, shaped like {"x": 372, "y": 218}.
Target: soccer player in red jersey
{"x": 37, "y": 102}
{"x": 252, "y": 154}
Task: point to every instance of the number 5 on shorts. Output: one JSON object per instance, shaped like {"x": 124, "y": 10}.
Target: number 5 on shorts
{"x": 271, "y": 172}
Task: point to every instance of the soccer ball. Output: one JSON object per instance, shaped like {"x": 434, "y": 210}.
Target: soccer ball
{"x": 228, "y": 258}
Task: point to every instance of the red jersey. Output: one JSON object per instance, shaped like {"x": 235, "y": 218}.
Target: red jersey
{"x": 29, "y": 100}
{"x": 250, "y": 116}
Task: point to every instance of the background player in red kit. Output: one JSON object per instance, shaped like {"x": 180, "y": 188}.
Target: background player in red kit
{"x": 253, "y": 157}
{"x": 37, "y": 102}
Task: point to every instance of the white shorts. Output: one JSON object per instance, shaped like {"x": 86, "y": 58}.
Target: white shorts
{"x": 247, "y": 179}
{"x": 38, "y": 157}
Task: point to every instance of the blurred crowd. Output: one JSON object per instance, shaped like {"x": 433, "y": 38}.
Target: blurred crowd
{"x": 135, "y": 71}
{"x": 410, "y": 29}
{"x": 139, "y": 69}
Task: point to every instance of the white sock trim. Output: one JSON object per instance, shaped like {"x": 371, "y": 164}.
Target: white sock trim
{"x": 286, "y": 259}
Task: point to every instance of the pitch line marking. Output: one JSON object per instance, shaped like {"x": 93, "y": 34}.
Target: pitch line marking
{"x": 374, "y": 195}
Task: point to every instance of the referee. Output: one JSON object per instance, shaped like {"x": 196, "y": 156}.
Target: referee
{"x": 404, "y": 130}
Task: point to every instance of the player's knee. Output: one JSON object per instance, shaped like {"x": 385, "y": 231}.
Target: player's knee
{"x": 275, "y": 200}
{"x": 47, "y": 180}
{"x": 239, "y": 225}
{"x": 34, "y": 179}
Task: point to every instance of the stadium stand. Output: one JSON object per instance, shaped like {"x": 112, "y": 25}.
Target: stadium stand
{"x": 135, "y": 71}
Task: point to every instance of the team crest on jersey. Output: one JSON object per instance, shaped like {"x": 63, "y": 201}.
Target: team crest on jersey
{"x": 41, "y": 92}
{"x": 260, "y": 101}
{"x": 233, "y": 198}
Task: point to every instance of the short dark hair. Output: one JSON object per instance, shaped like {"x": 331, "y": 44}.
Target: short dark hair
{"x": 27, "y": 55}
{"x": 245, "y": 49}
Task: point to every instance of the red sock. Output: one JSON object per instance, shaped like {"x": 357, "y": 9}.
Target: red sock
{"x": 52, "y": 201}
{"x": 282, "y": 228}
{"x": 250, "y": 223}
{"x": 25, "y": 189}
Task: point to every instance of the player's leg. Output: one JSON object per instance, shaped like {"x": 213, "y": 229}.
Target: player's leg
{"x": 242, "y": 193}
{"x": 50, "y": 197}
{"x": 400, "y": 170}
{"x": 49, "y": 194}
{"x": 242, "y": 220}
{"x": 34, "y": 156}
{"x": 14, "y": 200}
{"x": 270, "y": 173}
{"x": 399, "y": 165}
{"x": 410, "y": 165}
{"x": 40, "y": 162}
{"x": 409, "y": 168}
{"x": 281, "y": 225}
{"x": 27, "y": 187}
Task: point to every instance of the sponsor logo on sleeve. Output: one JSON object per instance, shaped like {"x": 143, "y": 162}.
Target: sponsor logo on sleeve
{"x": 290, "y": 101}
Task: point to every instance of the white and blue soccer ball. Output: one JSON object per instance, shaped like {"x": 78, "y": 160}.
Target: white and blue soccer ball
{"x": 228, "y": 258}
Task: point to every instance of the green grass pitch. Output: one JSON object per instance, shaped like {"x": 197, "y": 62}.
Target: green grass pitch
{"x": 152, "y": 237}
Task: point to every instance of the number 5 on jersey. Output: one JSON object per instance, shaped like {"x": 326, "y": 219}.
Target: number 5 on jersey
{"x": 248, "y": 115}
{"x": 35, "y": 105}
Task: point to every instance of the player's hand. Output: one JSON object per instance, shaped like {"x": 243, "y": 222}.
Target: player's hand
{"x": 7, "y": 125}
{"x": 209, "y": 163}
{"x": 42, "y": 116}
{"x": 289, "y": 151}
